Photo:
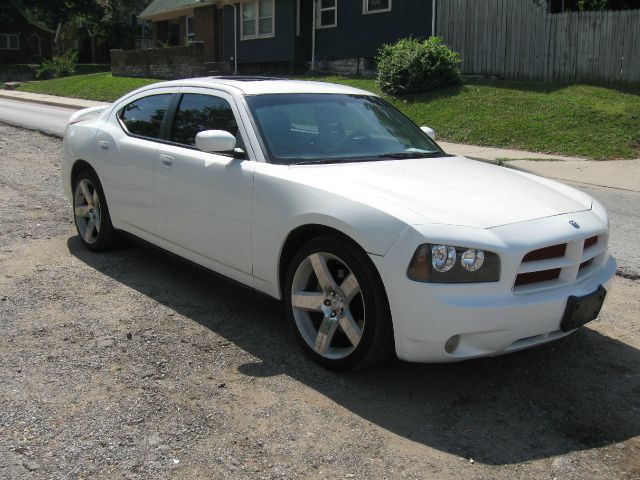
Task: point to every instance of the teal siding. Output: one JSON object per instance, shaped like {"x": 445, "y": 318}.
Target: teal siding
{"x": 280, "y": 48}
{"x": 356, "y": 35}
{"x": 359, "y": 35}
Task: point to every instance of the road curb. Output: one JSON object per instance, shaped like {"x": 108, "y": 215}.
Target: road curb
{"x": 52, "y": 101}
{"x": 48, "y": 133}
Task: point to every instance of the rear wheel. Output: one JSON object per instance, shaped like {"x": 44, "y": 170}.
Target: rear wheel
{"x": 337, "y": 305}
{"x": 91, "y": 213}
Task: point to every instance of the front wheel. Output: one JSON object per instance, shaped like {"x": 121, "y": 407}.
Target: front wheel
{"x": 337, "y": 305}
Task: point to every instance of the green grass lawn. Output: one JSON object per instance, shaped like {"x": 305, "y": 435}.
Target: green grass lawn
{"x": 102, "y": 87}
{"x": 579, "y": 120}
{"x": 576, "y": 120}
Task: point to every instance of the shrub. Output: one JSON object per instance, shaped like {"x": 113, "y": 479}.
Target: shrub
{"x": 60, "y": 66}
{"x": 412, "y": 66}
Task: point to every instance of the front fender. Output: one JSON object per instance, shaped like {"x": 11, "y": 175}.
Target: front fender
{"x": 374, "y": 237}
{"x": 281, "y": 206}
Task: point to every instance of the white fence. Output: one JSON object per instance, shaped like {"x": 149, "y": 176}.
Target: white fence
{"x": 518, "y": 39}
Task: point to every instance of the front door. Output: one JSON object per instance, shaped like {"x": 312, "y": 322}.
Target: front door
{"x": 203, "y": 200}
{"x": 304, "y": 27}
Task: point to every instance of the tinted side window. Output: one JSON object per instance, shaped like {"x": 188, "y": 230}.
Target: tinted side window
{"x": 201, "y": 112}
{"x": 144, "y": 116}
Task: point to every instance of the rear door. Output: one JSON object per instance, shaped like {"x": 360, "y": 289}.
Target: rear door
{"x": 203, "y": 200}
{"x": 128, "y": 146}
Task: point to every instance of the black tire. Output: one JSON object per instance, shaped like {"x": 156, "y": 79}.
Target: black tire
{"x": 376, "y": 344}
{"x": 106, "y": 237}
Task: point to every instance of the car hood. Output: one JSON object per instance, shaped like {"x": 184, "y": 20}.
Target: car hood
{"x": 447, "y": 190}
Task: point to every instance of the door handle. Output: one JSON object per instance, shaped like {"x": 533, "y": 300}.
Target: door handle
{"x": 166, "y": 160}
{"x": 104, "y": 145}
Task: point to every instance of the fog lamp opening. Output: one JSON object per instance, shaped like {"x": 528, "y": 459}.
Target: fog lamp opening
{"x": 452, "y": 344}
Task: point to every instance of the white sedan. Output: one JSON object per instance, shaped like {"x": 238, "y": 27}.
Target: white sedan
{"x": 328, "y": 198}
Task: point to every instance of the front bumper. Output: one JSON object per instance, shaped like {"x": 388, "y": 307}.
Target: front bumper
{"x": 487, "y": 318}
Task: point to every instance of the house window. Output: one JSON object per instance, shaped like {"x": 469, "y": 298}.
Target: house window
{"x": 327, "y": 13}
{"x": 257, "y": 19}
{"x": 9, "y": 41}
{"x": 376, "y": 6}
{"x": 144, "y": 35}
{"x": 191, "y": 33}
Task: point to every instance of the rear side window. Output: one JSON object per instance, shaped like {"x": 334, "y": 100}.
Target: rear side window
{"x": 201, "y": 112}
{"x": 144, "y": 116}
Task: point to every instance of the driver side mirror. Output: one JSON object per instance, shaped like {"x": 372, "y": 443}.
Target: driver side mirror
{"x": 429, "y": 131}
{"x": 212, "y": 141}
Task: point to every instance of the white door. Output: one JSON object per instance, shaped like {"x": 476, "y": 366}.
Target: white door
{"x": 129, "y": 149}
{"x": 203, "y": 200}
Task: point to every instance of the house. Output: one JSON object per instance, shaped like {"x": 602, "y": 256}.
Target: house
{"x": 181, "y": 22}
{"x": 348, "y": 31}
{"x": 287, "y": 35}
{"x": 22, "y": 39}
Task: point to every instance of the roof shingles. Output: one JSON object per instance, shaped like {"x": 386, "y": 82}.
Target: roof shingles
{"x": 158, "y": 7}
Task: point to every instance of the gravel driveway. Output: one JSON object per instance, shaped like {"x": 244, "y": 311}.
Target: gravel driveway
{"x": 132, "y": 364}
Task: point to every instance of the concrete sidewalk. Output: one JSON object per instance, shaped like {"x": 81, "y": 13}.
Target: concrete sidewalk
{"x": 494, "y": 154}
{"x": 51, "y": 100}
{"x": 621, "y": 174}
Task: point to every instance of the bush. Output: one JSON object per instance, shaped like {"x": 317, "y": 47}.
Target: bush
{"x": 61, "y": 66}
{"x": 412, "y": 66}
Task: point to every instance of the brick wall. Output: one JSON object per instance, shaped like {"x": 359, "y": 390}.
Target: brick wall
{"x": 164, "y": 63}
{"x": 204, "y": 29}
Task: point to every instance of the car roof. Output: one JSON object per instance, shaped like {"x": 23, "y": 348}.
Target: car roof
{"x": 263, "y": 85}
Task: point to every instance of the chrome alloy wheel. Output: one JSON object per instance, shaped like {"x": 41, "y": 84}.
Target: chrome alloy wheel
{"x": 327, "y": 305}
{"x": 86, "y": 208}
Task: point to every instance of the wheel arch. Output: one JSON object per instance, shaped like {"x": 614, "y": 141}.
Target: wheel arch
{"x": 77, "y": 167}
{"x": 303, "y": 234}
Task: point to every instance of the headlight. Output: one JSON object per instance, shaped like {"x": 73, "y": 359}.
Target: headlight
{"x": 472, "y": 259}
{"x": 449, "y": 264}
{"x": 443, "y": 258}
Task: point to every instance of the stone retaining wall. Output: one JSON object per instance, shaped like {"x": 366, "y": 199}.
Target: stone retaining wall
{"x": 346, "y": 66}
{"x": 165, "y": 63}
{"x": 17, "y": 76}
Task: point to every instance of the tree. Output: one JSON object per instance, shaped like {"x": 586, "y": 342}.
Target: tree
{"x": 580, "y": 5}
{"x": 108, "y": 22}
{"x": 606, "y": 4}
{"x": 55, "y": 12}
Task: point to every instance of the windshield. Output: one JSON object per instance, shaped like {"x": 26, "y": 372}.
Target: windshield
{"x": 327, "y": 128}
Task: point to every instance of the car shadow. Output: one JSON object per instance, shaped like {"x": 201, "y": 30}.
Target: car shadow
{"x": 578, "y": 394}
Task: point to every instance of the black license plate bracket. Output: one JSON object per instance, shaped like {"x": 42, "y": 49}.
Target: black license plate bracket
{"x": 583, "y": 309}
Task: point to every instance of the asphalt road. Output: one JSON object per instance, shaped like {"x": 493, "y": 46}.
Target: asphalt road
{"x": 624, "y": 218}
{"x": 46, "y": 119}
{"x": 623, "y": 206}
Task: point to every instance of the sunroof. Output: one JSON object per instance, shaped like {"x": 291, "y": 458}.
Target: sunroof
{"x": 240, "y": 78}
